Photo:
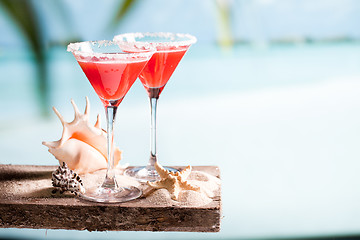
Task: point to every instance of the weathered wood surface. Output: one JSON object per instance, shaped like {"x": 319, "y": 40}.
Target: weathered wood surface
{"x": 26, "y": 202}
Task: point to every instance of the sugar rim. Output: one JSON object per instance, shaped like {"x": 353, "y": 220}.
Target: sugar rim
{"x": 145, "y": 50}
{"x": 165, "y": 35}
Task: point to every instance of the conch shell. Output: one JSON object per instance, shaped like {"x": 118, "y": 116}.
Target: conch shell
{"x": 82, "y": 147}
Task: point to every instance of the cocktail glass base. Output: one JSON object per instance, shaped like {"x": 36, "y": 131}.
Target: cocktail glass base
{"x": 107, "y": 195}
{"x": 144, "y": 174}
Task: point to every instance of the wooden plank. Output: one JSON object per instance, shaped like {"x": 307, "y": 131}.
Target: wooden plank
{"x": 26, "y": 202}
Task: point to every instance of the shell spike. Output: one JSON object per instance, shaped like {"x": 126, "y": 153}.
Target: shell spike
{"x": 87, "y": 108}
{"x": 51, "y": 144}
{"x": 76, "y": 110}
{"x": 98, "y": 122}
{"x": 82, "y": 146}
{"x": 59, "y": 116}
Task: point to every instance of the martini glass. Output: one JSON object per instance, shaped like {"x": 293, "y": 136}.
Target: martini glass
{"x": 170, "y": 48}
{"x": 111, "y": 68}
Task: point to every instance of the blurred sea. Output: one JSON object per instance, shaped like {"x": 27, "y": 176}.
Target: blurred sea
{"x": 281, "y": 121}
{"x": 206, "y": 69}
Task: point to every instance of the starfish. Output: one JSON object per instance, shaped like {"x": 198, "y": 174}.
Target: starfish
{"x": 173, "y": 182}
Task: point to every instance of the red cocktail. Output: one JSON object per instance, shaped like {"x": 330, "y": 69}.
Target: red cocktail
{"x": 111, "y": 69}
{"x": 170, "y": 48}
{"x": 112, "y": 80}
{"x": 159, "y": 69}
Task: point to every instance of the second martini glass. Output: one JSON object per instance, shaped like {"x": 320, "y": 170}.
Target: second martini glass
{"x": 170, "y": 48}
{"x": 111, "y": 68}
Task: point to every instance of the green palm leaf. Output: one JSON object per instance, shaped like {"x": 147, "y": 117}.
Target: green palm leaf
{"x": 23, "y": 14}
{"x": 124, "y": 7}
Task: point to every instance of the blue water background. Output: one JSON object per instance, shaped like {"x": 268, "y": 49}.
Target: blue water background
{"x": 218, "y": 109}
{"x": 280, "y": 120}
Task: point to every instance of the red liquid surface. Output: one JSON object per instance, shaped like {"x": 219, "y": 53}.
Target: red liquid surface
{"x": 159, "y": 69}
{"x": 111, "y": 80}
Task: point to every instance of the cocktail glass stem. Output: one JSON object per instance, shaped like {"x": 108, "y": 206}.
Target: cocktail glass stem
{"x": 110, "y": 180}
{"x": 152, "y": 160}
{"x": 110, "y": 191}
{"x": 149, "y": 172}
